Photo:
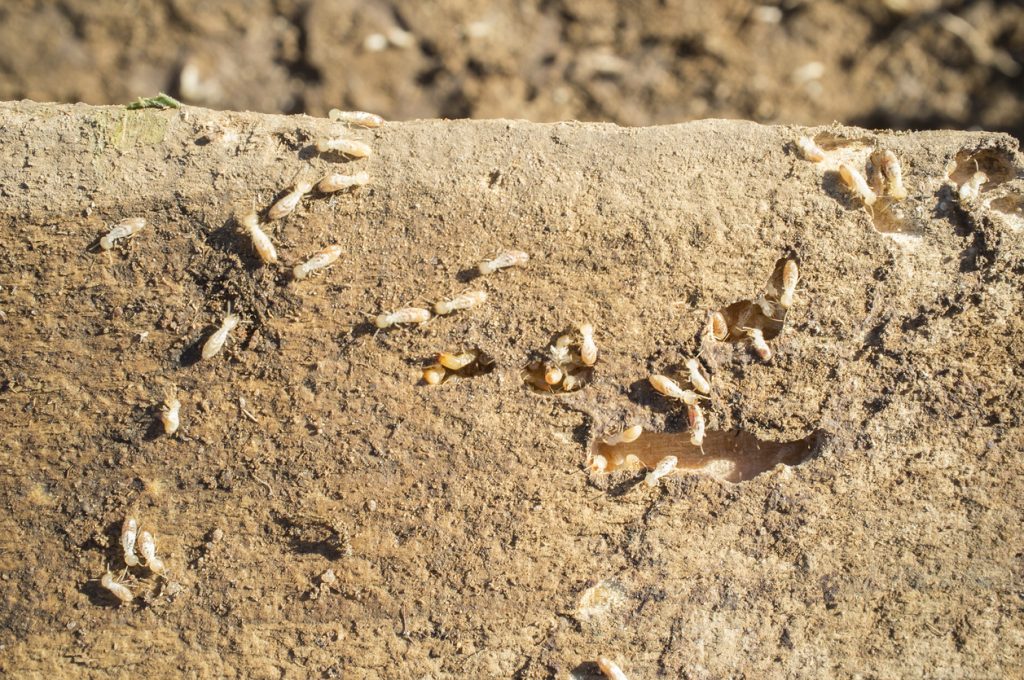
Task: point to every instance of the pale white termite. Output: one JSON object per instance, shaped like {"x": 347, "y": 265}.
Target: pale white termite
{"x": 147, "y": 546}
{"x": 215, "y": 342}
{"x": 356, "y": 118}
{"x": 630, "y": 434}
{"x": 337, "y": 182}
{"x": 810, "y": 149}
{"x": 670, "y": 388}
{"x": 347, "y": 147}
{"x": 696, "y": 415}
{"x": 717, "y": 327}
{"x": 432, "y": 375}
{"x": 610, "y": 669}
{"x": 570, "y": 382}
{"x": 790, "y": 277}
{"x": 129, "y": 532}
{"x": 287, "y": 203}
{"x": 553, "y": 375}
{"x": 509, "y": 258}
{"x": 856, "y": 183}
{"x": 756, "y": 336}
{"x": 971, "y": 189}
{"x": 324, "y": 258}
{"x": 456, "y": 362}
{"x": 260, "y": 241}
{"x": 404, "y": 315}
{"x": 123, "y": 229}
{"x": 697, "y": 378}
{"x": 463, "y": 301}
{"x": 170, "y": 415}
{"x": 665, "y": 466}
{"x": 599, "y": 463}
{"x": 588, "y": 348}
{"x": 892, "y": 171}
{"x": 119, "y": 590}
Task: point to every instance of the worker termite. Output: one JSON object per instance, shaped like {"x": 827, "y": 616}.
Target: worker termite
{"x": 630, "y": 434}
{"x": 570, "y": 382}
{"x": 588, "y": 348}
{"x": 287, "y": 203}
{"x": 664, "y": 467}
{"x": 717, "y": 327}
{"x": 260, "y": 241}
{"x": 216, "y": 341}
{"x": 147, "y": 546}
{"x": 670, "y": 388}
{"x": 404, "y": 315}
{"x": 696, "y": 377}
{"x": 324, "y": 258}
{"x": 553, "y": 375}
{"x": 971, "y": 189}
{"x": 610, "y": 669}
{"x": 119, "y": 590}
{"x": 129, "y": 532}
{"x": 456, "y": 362}
{"x": 856, "y": 183}
{"x": 123, "y": 229}
{"x": 356, "y": 118}
{"x": 347, "y": 147}
{"x": 432, "y": 375}
{"x": 463, "y": 301}
{"x": 336, "y": 182}
{"x": 599, "y": 463}
{"x": 756, "y": 336}
{"x": 810, "y": 149}
{"x": 169, "y": 415}
{"x": 510, "y": 258}
{"x": 790, "y": 277}
{"x": 892, "y": 171}
{"x": 696, "y": 416}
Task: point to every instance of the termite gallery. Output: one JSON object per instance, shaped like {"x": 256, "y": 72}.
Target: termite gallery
{"x": 810, "y": 150}
{"x": 260, "y": 241}
{"x": 664, "y": 467}
{"x": 129, "y": 533}
{"x": 119, "y": 590}
{"x": 123, "y": 229}
{"x": 287, "y": 203}
{"x": 463, "y": 301}
{"x": 404, "y": 315}
{"x": 337, "y": 182}
{"x": 856, "y": 183}
{"x": 169, "y": 415}
{"x": 348, "y": 147}
{"x": 324, "y": 258}
{"x": 215, "y": 342}
{"x": 356, "y": 118}
{"x": 509, "y": 258}
{"x": 790, "y": 277}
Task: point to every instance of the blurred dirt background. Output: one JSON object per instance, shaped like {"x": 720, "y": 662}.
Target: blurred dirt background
{"x": 894, "y": 64}
{"x": 323, "y": 513}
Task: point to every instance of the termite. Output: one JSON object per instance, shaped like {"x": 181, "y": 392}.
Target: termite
{"x": 610, "y": 669}
{"x": 169, "y": 415}
{"x": 147, "y": 546}
{"x": 630, "y": 434}
{"x": 570, "y": 382}
{"x": 971, "y": 189}
{"x": 432, "y": 375}
{"x": 670, "y": 388}
{"x": 123, "y": 229}
{"x": 696, "y": 415}
{"x": 892, "y": 171}
{"x": 857, "y": 184}
{"x": 336, "y": 182}
{"x": 129, "y": 532}
{"x": 324, "y": 258}
{"x": 756, "y": 336}
{"x": 510, "y": 258}
{"x": 810, "y": 149}
{"x": 216, "y": 341}
{"x": 287, "y": 203}
{"x": 599, "y": 463}
{"x": 790, "y": 277}
{"x": 404, "y": 315}
{"x": 588, "y": 348}
{"x": 260, "y": 241}
{"x": 696, "y": 377}
{"x": 553, "y": 375}
{"x": 347, "y": 147}
{"x": 120, "y": 591}
{"x": 456, "y": 362}
{"x": 356, "y": 118}
{"x": 664, "y": 467}
{"x": 463, "y": 301}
